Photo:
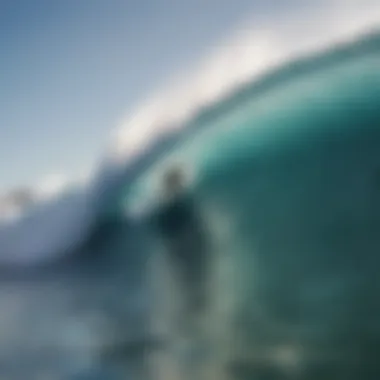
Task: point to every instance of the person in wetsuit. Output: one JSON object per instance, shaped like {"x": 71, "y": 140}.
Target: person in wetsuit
{"x": 179, "y": 225}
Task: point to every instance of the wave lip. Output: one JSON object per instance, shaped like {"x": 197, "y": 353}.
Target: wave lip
{"x": 258, "y": 47}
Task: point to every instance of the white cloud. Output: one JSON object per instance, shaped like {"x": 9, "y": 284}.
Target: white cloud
{"x": 50, "y": 187}
{"x": 55, "y": 184}
{"x": 12, "y": 207}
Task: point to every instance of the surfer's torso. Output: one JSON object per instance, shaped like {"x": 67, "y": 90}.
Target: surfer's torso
{"x": 176, "y": 217}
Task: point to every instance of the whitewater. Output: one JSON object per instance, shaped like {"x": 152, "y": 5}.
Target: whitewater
{"x": 279, "y": 131}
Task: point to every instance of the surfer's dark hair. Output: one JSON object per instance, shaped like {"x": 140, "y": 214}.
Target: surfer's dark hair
{"x": 175, "y": 175}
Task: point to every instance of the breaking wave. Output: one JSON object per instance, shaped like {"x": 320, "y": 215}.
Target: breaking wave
{"x": 244, "y": 67}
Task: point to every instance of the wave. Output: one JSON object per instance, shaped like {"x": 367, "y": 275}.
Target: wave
{"x": 256, "y": 49}
{"x": 126, "y": 171}
{"x": 63, "y": 224}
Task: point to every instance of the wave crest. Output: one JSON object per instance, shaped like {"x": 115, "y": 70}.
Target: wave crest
{"x": 243, "y": 58}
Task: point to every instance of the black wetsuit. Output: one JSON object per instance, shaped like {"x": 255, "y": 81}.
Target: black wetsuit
{"x": 180, "y": 227}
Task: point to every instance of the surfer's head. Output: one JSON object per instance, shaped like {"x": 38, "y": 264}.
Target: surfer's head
{"x": 174, "y": 180}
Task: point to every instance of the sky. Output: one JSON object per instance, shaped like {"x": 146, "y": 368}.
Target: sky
{"x": 70, "y": 70}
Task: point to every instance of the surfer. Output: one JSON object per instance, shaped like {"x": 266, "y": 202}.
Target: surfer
{"x": 180, "y": 227}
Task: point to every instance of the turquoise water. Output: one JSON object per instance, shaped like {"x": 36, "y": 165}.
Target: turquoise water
{"x": 279, "y": 108}
{"x": 292, "y": 175}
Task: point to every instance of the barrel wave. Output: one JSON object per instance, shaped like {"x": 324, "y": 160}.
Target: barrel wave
{"x": 287, "y": 171}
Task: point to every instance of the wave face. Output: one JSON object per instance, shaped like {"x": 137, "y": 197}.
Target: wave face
{"x": 288, "y": 172}
{"x": 287, "y": 169}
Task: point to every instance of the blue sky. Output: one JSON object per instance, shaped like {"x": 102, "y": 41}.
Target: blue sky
{"x": 70, "y": 69}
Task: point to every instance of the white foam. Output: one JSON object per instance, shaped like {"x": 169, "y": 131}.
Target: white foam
{"x": 49, "y": 229}
{"x": 257, "y": 47}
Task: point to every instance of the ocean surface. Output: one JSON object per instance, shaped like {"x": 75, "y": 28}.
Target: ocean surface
{"x": 286, "y": 171}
